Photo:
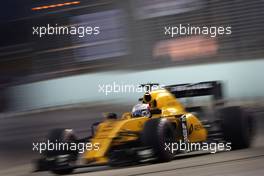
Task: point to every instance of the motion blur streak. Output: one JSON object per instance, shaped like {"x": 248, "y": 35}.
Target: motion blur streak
{"x": 55, "y": 5}
{"x": 177, "y": 51}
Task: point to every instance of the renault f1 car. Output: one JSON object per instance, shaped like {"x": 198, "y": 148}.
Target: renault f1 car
{"x": 160, "y": 118}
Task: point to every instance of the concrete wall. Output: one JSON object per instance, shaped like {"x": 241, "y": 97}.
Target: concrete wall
{"x": 242, "y": 78}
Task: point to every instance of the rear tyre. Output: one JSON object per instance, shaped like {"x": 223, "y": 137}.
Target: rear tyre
{"x": 237, "y": 126}
{"x": 157, "y": 133}
{"x": 62, "y": 136}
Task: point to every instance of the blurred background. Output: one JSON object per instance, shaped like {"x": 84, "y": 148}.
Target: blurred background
{"x": 37, "y": 74}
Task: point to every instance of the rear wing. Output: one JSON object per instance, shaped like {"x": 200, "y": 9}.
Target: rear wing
{"x": 213, "y": 88}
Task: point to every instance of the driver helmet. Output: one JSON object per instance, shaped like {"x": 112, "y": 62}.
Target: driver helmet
{"x": 141, "y": 110}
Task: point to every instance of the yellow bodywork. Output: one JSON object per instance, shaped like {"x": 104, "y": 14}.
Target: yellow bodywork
{"x": 109, "y": 132}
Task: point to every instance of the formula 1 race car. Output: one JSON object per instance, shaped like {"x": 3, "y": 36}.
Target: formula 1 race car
{"x": 155, "y": 124}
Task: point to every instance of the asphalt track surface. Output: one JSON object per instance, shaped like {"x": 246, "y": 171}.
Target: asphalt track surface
{"x": 17, "y": 134}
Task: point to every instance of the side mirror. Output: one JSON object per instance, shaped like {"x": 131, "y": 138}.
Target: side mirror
{"x": 93, "y": 127}
{"x": 110, "y": 115}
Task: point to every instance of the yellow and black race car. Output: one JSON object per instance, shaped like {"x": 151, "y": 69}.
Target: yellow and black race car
{"x": 153, "y": 129}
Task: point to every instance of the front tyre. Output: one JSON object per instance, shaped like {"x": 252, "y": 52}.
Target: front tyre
{"x": 64, "y": 158}
{"x": 156, "y": 134}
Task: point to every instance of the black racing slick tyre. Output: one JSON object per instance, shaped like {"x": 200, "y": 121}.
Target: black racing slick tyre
{"x": 158, "y": 133}
{"x": 62, "y": 136}
{"x": 237, "y": 126}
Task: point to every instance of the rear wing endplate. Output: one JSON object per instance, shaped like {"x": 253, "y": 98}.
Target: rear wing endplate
{"x": 213, "y": 88}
